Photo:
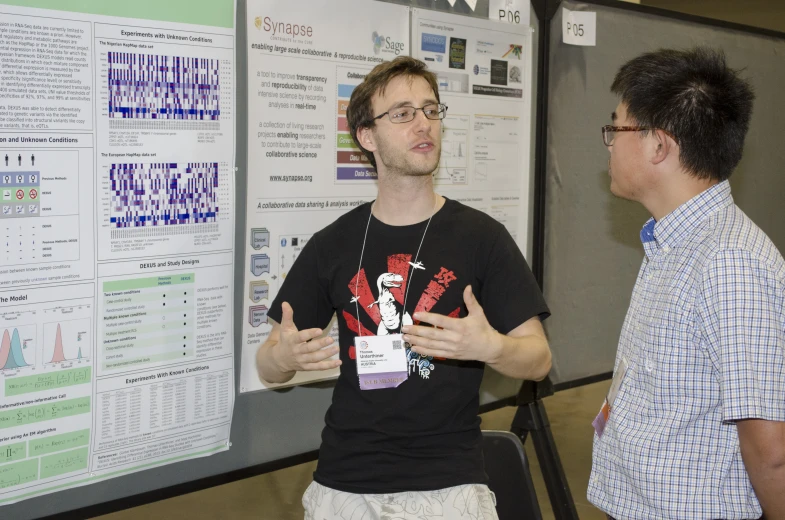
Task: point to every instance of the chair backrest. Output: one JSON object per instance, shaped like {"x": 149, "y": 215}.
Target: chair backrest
{"x": 510, "y": 479}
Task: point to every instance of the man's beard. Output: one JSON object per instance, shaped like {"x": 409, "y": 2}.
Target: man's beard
{"x": 401, "y": 163}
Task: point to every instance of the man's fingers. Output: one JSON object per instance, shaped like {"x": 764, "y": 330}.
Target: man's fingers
{"x": 434, "y": 352}
{"x": 304, "y": 352}
{"x": 431, "y": 344}
{"x": 437, "y": 320}
{"x": 312, "y": 346}
{"x": 319, "y": 355}
{"x": 287, "y": 316}
{"x": 301, "y": 336}
{"x": 313, "y": 352}
{"x": 472, "y": 305}
{"x": 323, "y": 365}
{"x": 419, "y": 331}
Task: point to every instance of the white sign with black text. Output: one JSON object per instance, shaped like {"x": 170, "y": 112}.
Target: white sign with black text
{"x": 509, "y": 11}
{"x": 579, "y": 28}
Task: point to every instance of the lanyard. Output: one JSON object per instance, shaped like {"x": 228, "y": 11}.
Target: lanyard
{"x": 411, "y": 268}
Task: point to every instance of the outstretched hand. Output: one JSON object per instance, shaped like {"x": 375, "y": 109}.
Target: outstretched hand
{"x": 468, "y": 338}
{"x": 299, "y": 350}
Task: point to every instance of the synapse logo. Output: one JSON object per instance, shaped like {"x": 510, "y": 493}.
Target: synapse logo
{"x": 282, "y": 29}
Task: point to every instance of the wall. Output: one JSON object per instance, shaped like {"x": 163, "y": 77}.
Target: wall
{"x": 768, "y": 14}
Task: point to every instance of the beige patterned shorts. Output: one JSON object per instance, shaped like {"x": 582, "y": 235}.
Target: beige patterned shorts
{"x": 467, "y": 502}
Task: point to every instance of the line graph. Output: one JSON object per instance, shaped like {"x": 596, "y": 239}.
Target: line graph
{"x": 17, "y": 347}
{"x": 67, "y": 341}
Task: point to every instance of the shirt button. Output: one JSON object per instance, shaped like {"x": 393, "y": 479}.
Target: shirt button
{"x": 667, "y": 249}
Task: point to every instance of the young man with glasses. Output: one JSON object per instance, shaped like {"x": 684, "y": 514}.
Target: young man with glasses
{"x": 693, "y": 426}
{"x": 427, "y": 292}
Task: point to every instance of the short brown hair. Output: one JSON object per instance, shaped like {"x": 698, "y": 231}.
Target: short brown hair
{"x": 360, "y": 114}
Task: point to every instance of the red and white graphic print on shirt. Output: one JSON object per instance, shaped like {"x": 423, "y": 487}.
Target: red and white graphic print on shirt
{"x": 386, "y": 307}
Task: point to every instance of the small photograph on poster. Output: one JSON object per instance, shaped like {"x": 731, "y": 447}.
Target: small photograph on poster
{"x": 434, "y": 43}
{"x": 498, "y": 72}
{"x": 516, "y": 76}
{"x": 457, "y": 53}
{"x": 481, "y": 71}
{"x": 514, "y": 52}
{"x": 452, "y": 81}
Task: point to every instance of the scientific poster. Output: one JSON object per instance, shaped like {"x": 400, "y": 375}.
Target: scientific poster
{"x": 304, "y": 169}
{"x": 117, "y": 221}
{"x": 483, "y": 73}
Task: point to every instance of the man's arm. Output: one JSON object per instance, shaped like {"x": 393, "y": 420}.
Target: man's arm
{"x": 288, "y": 350}
{"x": 741, "y": 312}
{"x": 763, "y": 451}
{"x": 523, "y": 353}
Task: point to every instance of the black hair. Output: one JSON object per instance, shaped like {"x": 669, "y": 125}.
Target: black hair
{"x": 694, "y": 96}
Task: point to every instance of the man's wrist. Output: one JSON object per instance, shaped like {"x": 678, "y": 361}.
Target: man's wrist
{"x": 276, "y": 357}
{"x": 495, "y": 348}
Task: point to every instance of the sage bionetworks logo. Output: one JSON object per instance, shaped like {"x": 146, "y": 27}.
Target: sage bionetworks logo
{"x": 382, "y": 44}
{"x": 378, "y": 41}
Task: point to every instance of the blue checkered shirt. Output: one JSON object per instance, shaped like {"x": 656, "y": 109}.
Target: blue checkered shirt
{"x": 704, "y": 339}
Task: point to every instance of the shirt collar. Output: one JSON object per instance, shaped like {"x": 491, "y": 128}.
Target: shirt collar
{"x": 671, "y": 229}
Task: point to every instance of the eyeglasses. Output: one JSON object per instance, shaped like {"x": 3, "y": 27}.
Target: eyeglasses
{"x": 431, "y": 111}
{"x": 609, "y": 132}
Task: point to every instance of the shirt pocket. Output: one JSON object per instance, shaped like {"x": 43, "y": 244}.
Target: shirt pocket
{"x": 672, "y": 361}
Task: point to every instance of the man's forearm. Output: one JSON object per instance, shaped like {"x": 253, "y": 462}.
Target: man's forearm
{"x": 769, "y": 484}
{"x": 762, "y": 445}
{"x": 524, "y": 357}
{"x": 268, "y": 367}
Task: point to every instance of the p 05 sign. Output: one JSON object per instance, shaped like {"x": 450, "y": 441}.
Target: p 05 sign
{"x": 509, "y": 11}
{"x": 579, "y": 28}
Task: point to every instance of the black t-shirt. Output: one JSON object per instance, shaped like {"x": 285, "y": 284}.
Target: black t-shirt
{"x": 424, "y": 434}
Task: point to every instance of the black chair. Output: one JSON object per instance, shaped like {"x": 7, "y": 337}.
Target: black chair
{"x": 508, "y": 470}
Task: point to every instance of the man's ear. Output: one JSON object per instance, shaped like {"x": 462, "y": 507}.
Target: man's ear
{"x": 662, "y": 146}
{"x": 366, "y": 138}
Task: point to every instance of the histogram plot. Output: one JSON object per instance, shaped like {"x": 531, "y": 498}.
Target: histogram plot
{"x": 163, "y": 194}
{"x": 67, "y": 341}
{"x": 157, "y": 87}
{"x": 17, "y": 347}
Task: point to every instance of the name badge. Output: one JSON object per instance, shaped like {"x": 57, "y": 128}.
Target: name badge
{"x": 601, "y": 420}
{"x": 618, "y": 379}
{"x": 381, "y": 361}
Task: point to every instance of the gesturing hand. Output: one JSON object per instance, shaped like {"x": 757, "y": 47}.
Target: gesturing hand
{"x": 468, "y": 338}
{"x": 302, "y": 349}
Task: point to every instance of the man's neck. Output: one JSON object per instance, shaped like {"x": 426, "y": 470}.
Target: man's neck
{"x": 673, "y": 195}
{"x": 403, "y": 201}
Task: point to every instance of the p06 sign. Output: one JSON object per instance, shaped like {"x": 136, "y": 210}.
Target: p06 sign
{"x": 509, "y": 11}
